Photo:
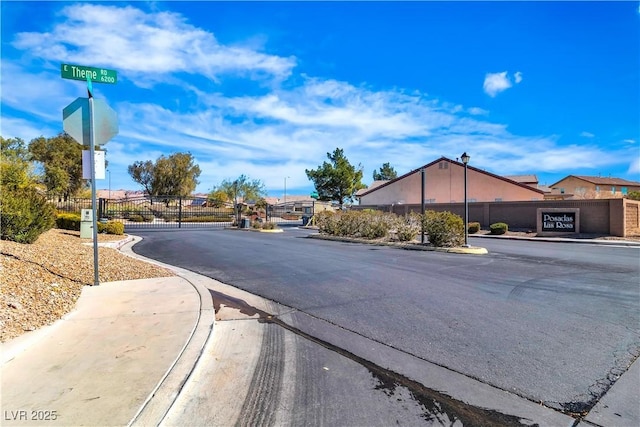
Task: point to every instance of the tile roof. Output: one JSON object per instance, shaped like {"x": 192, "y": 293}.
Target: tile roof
{"x": 524, "y": 179}
{"x": 599, "y": 180}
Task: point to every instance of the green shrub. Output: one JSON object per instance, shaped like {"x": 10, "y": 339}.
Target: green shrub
{"x": 444, "y": 229}
{"x": 499, "y": 228}
{"x": 136, "y": 218}
{"x": 26, "y": 214}
{"x": 68, "y": 221}
{"x": 111, "y": 227}
{"x": 147, "y": 217}
{"x": 474, "y": 227}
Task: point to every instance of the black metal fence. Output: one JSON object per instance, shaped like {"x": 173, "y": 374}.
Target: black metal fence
{"x": 184, "y": 212}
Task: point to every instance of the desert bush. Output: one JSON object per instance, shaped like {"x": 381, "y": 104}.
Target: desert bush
{"x": 264, "y": 225}
{"x": 68, "y": 221}
{"x": 327, "y": 222}
{"x": 269, "y": 225}
{"x": 26, "y": 214}
{"x": 498, "y": 228}
{"x": 147, "y": 216}
{"x": 407, "y": 227}
{"x": 111, "y": 227}
{"x": 375, "y": 225}
{"x": 136, "y": 218}
{"x": 474, "y": 227}
{"x": 444, "y": 229}
{"x": 350, "y": 223}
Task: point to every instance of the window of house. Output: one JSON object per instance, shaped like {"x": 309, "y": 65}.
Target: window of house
{"x": 498, "y": 199}
{"x": 561, "y": 190}
{"x": 624, "y": 190}
{"x": 613, "y": 190}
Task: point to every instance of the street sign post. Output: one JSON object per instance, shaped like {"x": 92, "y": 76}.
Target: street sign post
{"x": 79, "y": 121}
{"x": 96, "y": 75}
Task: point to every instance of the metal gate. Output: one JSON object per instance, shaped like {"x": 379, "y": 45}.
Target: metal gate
{"x": 189, "y": 212}
{"x": 166, "y": 212}
{"x": 157, "y": 212}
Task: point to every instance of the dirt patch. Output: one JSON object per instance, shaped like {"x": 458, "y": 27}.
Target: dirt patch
{"x": 41, "y": 282}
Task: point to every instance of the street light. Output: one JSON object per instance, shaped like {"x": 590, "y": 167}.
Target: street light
{"x": 465, "y": 159}
{"x": 109, "y": 172}
{"x": 285, "y": 193}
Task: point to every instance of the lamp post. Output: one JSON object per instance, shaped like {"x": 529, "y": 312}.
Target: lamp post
{"x": 109, "y": 172}
{"x": 465, "y": 159}
{"x": 285, "y": 193}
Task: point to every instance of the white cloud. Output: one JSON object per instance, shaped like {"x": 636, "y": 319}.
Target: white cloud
{"x": 146, "y": 43}
{"x": 587, "y": 134}
{"x": 630, "y": 141}
{"x": 634, "y": 167}
{"x": 494, "y": 83}
{"x": 476, "y": 111}
{"x": 518, "y": 77}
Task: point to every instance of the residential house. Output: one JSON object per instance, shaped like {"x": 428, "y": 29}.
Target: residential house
{"x": 444, "y": 183}
{"x": 595, "y": 187}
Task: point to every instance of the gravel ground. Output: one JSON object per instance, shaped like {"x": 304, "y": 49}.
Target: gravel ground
{"x": 41, "y": 282}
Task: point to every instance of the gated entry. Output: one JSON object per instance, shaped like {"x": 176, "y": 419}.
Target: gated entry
{"x": 185, "y": 212}
{"x": 166, "y": 212}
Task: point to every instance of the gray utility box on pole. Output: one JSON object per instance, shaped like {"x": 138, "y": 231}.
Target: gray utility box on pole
{"x": 86, "y": 224}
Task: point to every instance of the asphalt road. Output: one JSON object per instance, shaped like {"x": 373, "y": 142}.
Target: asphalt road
{"x": 551, "y": 322}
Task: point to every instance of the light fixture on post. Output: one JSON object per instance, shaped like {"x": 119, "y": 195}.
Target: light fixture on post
{"x": 465, "y": 159}
{"x": 285, "y": 193}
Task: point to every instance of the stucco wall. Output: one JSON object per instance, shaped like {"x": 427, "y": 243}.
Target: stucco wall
{"x": 445, "y": 184}
{"x": 616, "y": 217}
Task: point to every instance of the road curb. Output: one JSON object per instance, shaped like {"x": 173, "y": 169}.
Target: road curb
{"x": 475, "y": 250}
{"x": 163, "y": 396}
{"x": 594, "y": 241}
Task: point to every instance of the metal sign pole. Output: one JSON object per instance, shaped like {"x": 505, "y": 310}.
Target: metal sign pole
{"x": 75, "y": 124}
{"x": 92, "y": 154}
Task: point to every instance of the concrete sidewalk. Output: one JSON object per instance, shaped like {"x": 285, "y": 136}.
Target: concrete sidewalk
{"x": 120, "y": 358}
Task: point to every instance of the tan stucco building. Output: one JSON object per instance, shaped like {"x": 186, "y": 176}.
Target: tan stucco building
{"x": 444, "y": 183}
{"x": 595, "y": 187}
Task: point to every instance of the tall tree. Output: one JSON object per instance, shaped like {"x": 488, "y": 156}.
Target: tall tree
{"x": 242, "y": 187}
{"x": 386, "y": 173}
{"x": 61, "y": 160}
{"x": 175, "y": 175}
{"x": 336, "y": 180}
{"x": 16, "y": 169}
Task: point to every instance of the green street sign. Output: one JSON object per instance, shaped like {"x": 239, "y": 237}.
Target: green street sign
{"x": 96, "y": 75}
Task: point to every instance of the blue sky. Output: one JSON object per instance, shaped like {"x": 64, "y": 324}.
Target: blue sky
{"x": 266, "y": 89}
